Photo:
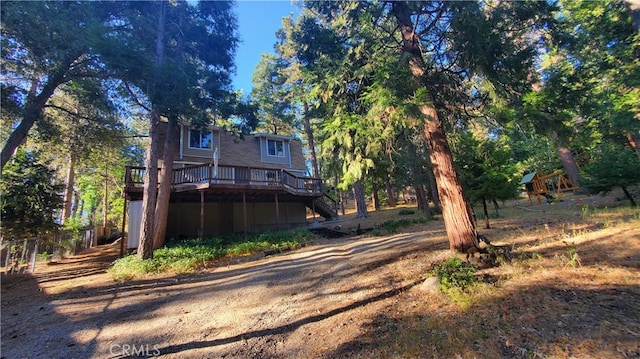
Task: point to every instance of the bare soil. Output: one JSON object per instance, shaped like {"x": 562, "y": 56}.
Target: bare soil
{"x": 571, "y": 291}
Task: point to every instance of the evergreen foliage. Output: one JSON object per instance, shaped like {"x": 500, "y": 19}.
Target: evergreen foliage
{"x": 612, "y": 166}
{"x": 30, "y": 197}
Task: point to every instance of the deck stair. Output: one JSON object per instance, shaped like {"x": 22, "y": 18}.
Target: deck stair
{"x": 323, "y": 208}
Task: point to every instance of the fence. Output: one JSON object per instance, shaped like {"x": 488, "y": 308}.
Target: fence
{"x": 21, "y": 255}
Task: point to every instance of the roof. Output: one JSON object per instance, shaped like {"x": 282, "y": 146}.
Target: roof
{"x": 528, "y": 177}
{"x": 277, "y": 137}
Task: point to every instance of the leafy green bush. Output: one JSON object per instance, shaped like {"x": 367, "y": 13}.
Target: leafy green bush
{"x": 454, "y": 273}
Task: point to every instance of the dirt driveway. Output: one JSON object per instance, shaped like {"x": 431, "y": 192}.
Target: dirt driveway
{"x": 303, "y": 304}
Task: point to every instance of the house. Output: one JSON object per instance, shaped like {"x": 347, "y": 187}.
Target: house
{"x": 222, "y": 184}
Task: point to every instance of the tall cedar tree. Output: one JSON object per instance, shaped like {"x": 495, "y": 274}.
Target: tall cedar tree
{"x": 449, "y": 49}
{"x": 187, "y": 82}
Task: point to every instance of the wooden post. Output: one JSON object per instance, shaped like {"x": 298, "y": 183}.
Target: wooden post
{"x": 201, "y": 214}
{"x": 178, "y": 223}
{"x": 35, "y": 253}
{"x": 8, "y": 259}
{"x": 313, "y": 210}
{"x": 277, "y": 214}
{"x": 244, "y": 211}
{"x": 24, "y": 250}
{"x": 286, "y": 218}
{"x": 124, "y": 221}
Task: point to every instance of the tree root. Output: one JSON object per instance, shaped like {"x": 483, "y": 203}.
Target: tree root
{"x": 486, "y": 254}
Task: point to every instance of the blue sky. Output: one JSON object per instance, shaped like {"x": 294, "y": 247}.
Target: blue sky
{"x": 258, "y": 22}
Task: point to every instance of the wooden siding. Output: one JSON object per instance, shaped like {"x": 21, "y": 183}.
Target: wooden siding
{"x": 249, "y": 151}
{"x": 298, "y": 161}
{"x": 245, "y": 152}
{"x": 239, "y": 152}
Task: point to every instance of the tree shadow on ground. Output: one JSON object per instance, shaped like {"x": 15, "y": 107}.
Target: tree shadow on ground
{"x": 98, "y": 307}
{"x": 288, "y": 328}
{"x": 587, "y": 308}
{"x": 17, "y": 337}
{"x": 583, "y": 323}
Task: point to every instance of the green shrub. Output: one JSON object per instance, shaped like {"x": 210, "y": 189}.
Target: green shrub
{"x": 130, "y": 267}
{"x": 270, "y": 240}
{"x": 393, "y": 225}
{"x": 455, "y": 273}
{"x": 42, "y": 257}
{"x": 187, "y": 255}
{"x": 406, "y": 212}
{"x": 247, "y": 248}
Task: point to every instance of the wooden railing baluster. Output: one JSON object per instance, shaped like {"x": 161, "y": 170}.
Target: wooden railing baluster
{"x": 134, "y": 177}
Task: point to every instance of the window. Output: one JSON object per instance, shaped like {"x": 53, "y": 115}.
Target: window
{"x": 275, "y": 148}
{"x": 200, "y": 139}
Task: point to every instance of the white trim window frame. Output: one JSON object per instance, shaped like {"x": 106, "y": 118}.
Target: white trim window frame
{"x": 202, "y": 138}
{"x": 275, "y": 148}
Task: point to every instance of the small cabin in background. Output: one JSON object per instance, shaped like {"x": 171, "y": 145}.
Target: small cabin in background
{"x": 222, "y": 184}
{"x": 550, "y": 186}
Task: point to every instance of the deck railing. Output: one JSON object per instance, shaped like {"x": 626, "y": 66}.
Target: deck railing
{"x": 232, "y": 175}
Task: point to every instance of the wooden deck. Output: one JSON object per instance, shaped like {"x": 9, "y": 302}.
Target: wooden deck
{"x": 229, "y": 179}
{"x": 209, "y": 183}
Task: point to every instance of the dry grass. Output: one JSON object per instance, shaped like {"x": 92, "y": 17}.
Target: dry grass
{"x": 572, "y": 291}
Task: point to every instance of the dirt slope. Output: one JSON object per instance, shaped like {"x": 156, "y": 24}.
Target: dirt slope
{"x": 571, "y": 292}
{"x": 300, "y": 304}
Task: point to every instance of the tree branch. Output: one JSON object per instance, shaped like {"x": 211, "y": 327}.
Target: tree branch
{"x": 135, "y": 97}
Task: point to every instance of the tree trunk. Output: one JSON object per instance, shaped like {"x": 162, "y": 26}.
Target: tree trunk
{"x": 629, "y": 196}
{"x": 342, "y": 201}
{"x": 634, "y": 8}
{"x": 433, "y": 188}
{"x": 455, "y": 212}
{"x": 634, "y": 141}
{"x": 312, "y": 147}
{"x": 69, "y": 183}
{"x": 487, "y": 225}
{"x": 566, "y": 157}
{"x": 361, "y": 204}
{"x": 390, "y": 195}
{"x": 76, "y": 205}
{"x": 496, "y": 207}
{"x": 33, "y": 110}
{"x": 164, "y": 190}
{"x": 150, "y": 191}
{"x": 105, "y": 204}
{"x": 376, "y": 200}
{"x": 421, "y": 198}
{"x": 341, "y": 196}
